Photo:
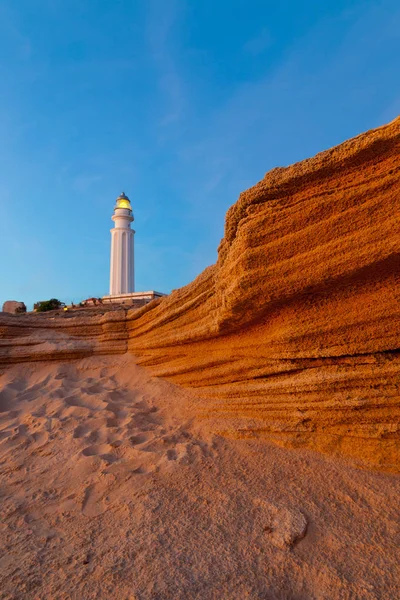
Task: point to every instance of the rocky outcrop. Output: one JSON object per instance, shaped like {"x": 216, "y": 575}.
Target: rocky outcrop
{"x": 14, "y": 307}
{"x": 294, "y": 334}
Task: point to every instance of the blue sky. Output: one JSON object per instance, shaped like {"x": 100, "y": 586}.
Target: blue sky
{"x": 182, "y": 104}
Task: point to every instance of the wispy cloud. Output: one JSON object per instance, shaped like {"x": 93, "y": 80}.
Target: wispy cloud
{"x": 319, "y": 94}
{"x": 162, "y": 21}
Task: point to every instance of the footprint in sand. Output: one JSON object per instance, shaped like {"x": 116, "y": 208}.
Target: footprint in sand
{"x": 103, "y": 451}
{"x": 93, "y": 389}
{"x": 116, "y": 409}
{"x": 94, "y": 501}
{"x": 57, "y": 393}
{"x": 18, "y": 385}
{"x": 40, "y": 438}
{"x": 30, "y": 393}
{"x": 88, "y": 403}
{"x": 98, "y": 436}
{"x": 171, "y": 454}
{"x": 115, "y": 395}
{"x": 143, "y": 422}
{"x": 97, "y": 450}
{"x": 135, "y": 440}
{"x": 7, "y": 397}
{"x": 61, "y": 376}
{"x": 81, "y": 431}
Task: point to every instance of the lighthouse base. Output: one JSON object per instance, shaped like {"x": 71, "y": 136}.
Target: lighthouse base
{"x": 133, "y": 298}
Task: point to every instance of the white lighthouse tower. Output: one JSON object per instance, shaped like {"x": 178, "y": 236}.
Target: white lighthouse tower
{"x": 122, "y": 270}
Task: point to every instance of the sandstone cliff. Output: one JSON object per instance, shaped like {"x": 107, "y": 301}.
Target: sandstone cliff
{"x": 294, "y": 333}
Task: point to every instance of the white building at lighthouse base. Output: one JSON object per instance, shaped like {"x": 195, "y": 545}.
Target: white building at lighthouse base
{"x": 134, "y": 298}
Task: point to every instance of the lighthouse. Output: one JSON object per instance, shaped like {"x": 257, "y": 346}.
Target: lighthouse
{"x": 122, "y": 270}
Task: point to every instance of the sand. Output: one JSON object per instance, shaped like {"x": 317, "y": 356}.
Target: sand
{"x": 111, "y": 487}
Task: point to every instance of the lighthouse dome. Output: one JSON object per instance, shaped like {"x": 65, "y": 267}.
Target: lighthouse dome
{"x": 123, "y": 202}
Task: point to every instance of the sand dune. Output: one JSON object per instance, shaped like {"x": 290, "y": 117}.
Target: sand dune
{"x": 110, "y": 488}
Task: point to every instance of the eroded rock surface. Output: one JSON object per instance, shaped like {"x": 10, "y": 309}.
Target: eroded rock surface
{"x": 295, "y": 333}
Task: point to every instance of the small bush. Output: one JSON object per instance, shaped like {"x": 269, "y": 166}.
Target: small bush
{"x": 45, "y": 305}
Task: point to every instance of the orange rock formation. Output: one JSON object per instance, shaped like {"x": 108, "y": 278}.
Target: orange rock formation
{"x": 294, "y": 334}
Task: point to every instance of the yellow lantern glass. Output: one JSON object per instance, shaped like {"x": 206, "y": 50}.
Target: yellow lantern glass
{"x": 122, "y": 203}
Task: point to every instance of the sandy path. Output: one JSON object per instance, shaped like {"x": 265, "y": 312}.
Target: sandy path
{"x": 109, "y": 490}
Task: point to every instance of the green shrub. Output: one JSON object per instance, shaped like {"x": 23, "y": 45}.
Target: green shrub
{"x": 45, "y": 305}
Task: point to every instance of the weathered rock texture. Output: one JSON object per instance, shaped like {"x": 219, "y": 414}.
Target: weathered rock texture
{"x": 294, "y": 333}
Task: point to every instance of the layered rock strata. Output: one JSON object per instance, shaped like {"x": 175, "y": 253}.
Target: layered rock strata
{"x": 294, "y": 334}
{"x": 47, "y": 337}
